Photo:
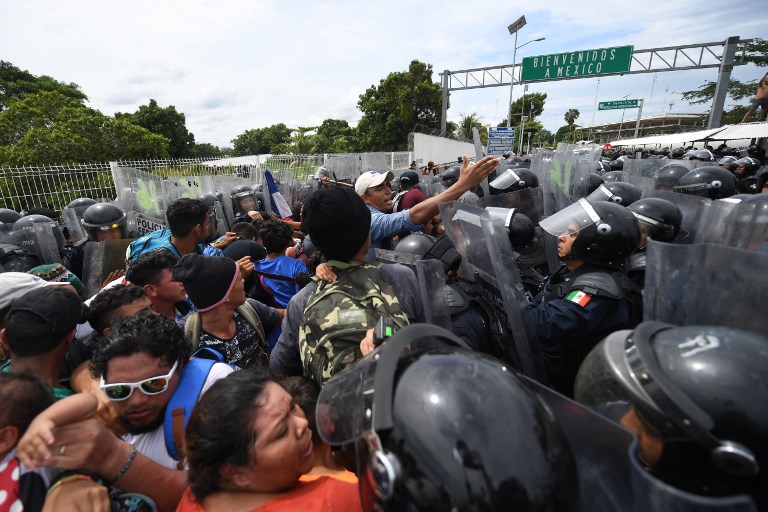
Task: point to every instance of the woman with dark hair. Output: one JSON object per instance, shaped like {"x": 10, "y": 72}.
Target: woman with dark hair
{"x": 249, "y": 447}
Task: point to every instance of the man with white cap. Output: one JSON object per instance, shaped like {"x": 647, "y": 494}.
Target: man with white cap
{"x": 373, "y": 188}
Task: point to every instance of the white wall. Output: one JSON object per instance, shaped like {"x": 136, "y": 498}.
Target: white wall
{"x": 438, "y": 149}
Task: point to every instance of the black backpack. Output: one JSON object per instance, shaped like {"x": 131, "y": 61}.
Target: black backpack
{"x": 15, "y": 259}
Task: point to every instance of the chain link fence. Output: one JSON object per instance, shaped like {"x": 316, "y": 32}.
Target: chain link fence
{"x": 54, "y": 186}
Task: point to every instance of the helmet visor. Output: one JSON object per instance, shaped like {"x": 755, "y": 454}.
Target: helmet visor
{"x": 571, "y": 219}
{"x": 508, "y": 179}
{"x": 502, "y": 216}
{"x": 601, "y": 193}
{"x": 345, "y": 406}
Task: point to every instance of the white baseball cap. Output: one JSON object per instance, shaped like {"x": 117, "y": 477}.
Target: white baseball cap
{"x": 15, "y": 284}
{"x": 371, "y": 179}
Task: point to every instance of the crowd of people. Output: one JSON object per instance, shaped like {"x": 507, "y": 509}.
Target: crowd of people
{"x": 467, "y": 338}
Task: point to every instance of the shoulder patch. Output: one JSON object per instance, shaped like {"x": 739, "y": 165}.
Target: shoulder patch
{"x": 579, "y": 297}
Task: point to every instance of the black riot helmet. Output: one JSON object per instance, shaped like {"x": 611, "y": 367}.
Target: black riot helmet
{"x": 260, "y": 202}
{"x": 515, "y": 178}
{"x": 451, "y": 175}
{"x": 614, "y": 176}
{"x": 618, "y": 164}
{"x": 606, "y": 233}
{"x": 104, "y": 220}
{"x": 428, "y": 439}
{"x": 601, "y": 166}
{"x": 29, "y": 220}
{"x": 521, "y": 229}
{"x": 209, "y": 199}
{"x": 727, "y": 163}
{"x": 703, "y": 155}
{"x": 8, "y": 216}
{"x": 668, "y": 176}
{"x": 415, "y": 243}
{"x": 243, "y": 199}
{"x": 701, "y": 384}
{"x": 80, "y": 202}
{"x": 749, "y": 165}
{"x": 584, "y": 185}
{"x": 677, "y": 153}
{"x": 709, "y": 181}
{"x": 659, "y": 219}
{"x": 618, "y": 192}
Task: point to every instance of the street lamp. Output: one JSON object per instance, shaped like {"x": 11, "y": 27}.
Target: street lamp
{"x": 512, "y": 80}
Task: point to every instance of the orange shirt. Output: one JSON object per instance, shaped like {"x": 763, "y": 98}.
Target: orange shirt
{"x": 322, "y": 493}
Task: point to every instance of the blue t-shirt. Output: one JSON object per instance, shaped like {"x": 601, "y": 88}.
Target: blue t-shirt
{"x": 282, "y": 291}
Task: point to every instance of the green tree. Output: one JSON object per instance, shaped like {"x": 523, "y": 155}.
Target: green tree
{"x": 259, "y": 141}
{"x": 167, "y": 122}
{"x": 301, "y": 143}
{"x": 391, "y": 110}
{"x": 469, "y": 121}
{"x": 206, "y": 150}
{"x": 334, "y": 136}
{"x": 755, "y": 53}
{"x": 48, "y": 127}
{"x": 570, "y": 117}
{"x": 15, "y": 83}
{"x": 565, "y": 133}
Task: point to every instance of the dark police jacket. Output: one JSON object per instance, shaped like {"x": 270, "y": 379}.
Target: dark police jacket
{"x": 575, "y": 311}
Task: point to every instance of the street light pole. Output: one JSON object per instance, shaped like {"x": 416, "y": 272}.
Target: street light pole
{"x": 513, "y": 28}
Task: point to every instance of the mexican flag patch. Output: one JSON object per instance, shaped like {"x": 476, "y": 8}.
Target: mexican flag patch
{"x": 579, "y": 298}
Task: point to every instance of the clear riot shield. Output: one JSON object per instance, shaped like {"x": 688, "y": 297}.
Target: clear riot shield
{"x": 288, "y": 190}
{"x": 101, "y": 259}
{"x": 737, "y": 223}
{"x": 706, "y": 284}
{"x": 430, "y": 274}
{"x": 305, "y": 189}
{"x": 345, "y": 166}
{"x": 642, "y": 173}
{"x": 529, "y": 201}
{"x": 44, "y": 242}
{"x": 461, "y": 220}
{"x": 653, "y": 495}
{"x": 432, "y": 188}
{"x": 600, "y": 448}
{"x": 72, "y": 221}
{"x": 501, "y": 279}
{"x": 187, "y": 186}
{"x": 435, "y": 294}
{"x": 140, "y": 192}
{"x": 224, "y": 184}
{"x": 694, "y": 211}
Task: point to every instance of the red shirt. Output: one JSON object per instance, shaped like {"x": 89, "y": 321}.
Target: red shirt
{"x": 411, "y": 199}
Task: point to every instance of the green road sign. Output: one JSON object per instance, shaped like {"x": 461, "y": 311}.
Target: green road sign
{"x": 617, "y": 105}
{"x": 559, "y": 66}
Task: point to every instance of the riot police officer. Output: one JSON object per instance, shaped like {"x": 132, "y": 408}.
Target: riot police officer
{"x": 426, "y": 440}
{"x": 668, "y": 176}
{"x": 708, "y": 181}
{"x": 8, "y": 216}
{"x": 590, "y": 296}
{"x": 101, "y": 221}
{"x": 244, "y": 200}
{"x": 659, "y": 220}
{"x": 695, "y": 396}
{"x": 618, "y": 192}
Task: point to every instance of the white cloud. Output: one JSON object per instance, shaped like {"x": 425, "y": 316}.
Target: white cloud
{"x": 231, "y": 66}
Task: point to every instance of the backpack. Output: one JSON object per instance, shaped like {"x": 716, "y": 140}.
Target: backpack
{"x": 396, "y": 200}
{"x": 193, "y": 325}
{"x": 179, "y": 408}
{"x": 15, "y": 259}
{"x": 159, "y": 239}
{"x": 337, "y": 316}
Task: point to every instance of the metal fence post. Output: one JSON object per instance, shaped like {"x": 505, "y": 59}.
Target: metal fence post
{"x": 723, "y": 79}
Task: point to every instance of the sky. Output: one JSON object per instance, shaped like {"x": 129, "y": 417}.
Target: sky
{"x": 233, "y": 65}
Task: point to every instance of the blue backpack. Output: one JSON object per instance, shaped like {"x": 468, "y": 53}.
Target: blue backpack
{"x": 193, "y": 377}
{"x": 160, "y": 239}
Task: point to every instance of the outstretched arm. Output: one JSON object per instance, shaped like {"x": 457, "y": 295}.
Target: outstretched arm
{"x": 469, "y": 176}
{"x": 34, "y": 447}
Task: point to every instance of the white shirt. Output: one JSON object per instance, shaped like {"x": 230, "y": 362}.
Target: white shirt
{"x": 152, "y": 444}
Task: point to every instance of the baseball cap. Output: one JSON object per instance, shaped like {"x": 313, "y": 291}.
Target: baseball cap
{"x": 41, "y": 317}
{"x": 14, "y": 285}
{"x": 371, "y": 179}
{"x": 409, "y": 177}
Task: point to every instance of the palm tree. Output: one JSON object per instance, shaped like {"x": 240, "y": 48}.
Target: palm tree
{"x": 570, "y": 117}
{"x": 468, "y": 121}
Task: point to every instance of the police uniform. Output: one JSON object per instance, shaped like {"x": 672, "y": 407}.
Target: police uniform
{"x": 575, "y": 311}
